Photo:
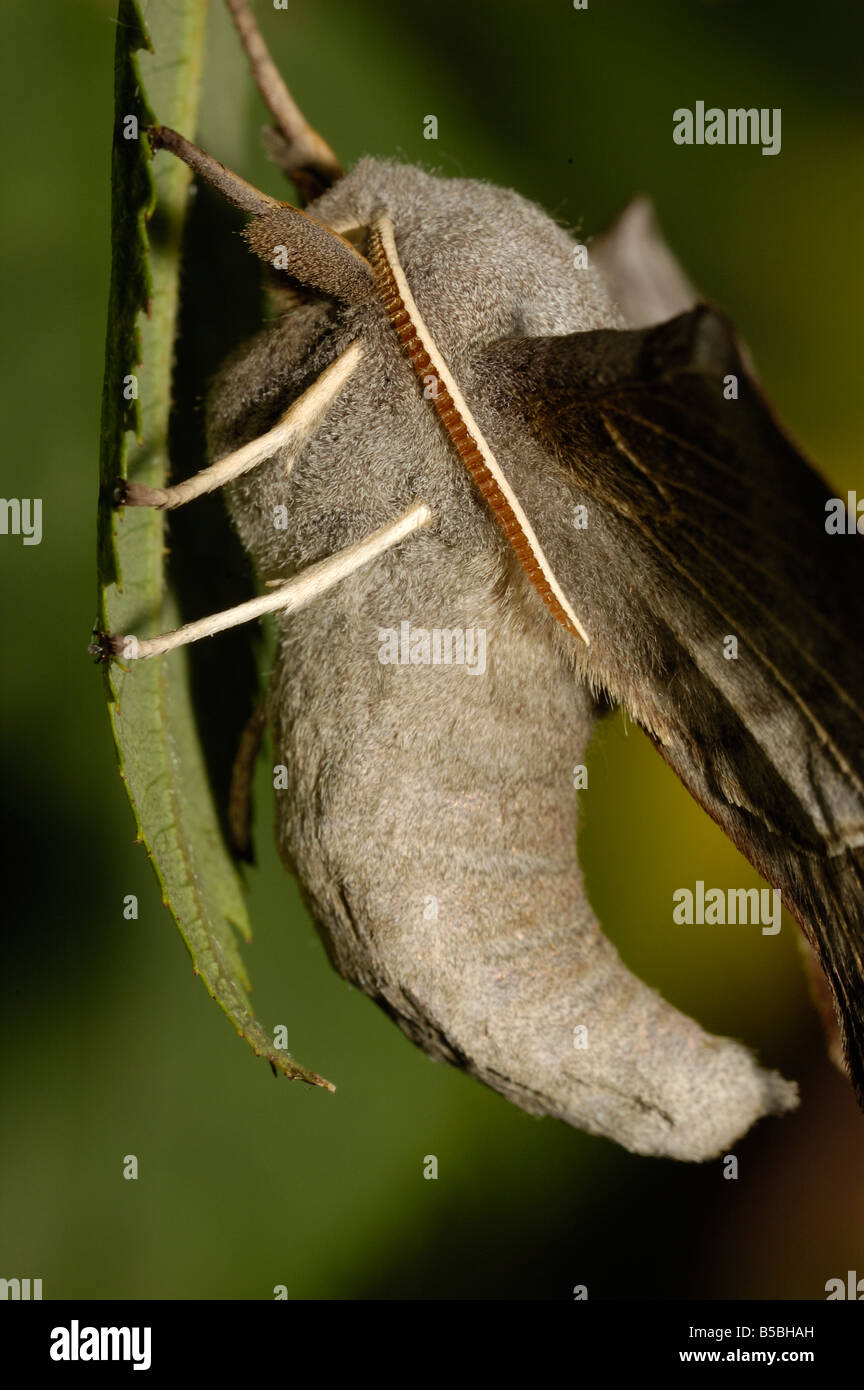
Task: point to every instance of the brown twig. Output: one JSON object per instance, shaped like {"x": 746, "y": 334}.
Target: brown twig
{"x": 298, "y": 148}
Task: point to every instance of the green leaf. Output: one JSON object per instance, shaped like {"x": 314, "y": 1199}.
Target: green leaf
{"x": 152, "y": 714}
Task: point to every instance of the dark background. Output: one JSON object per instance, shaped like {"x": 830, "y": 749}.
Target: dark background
{"x": 108, "y": 1045}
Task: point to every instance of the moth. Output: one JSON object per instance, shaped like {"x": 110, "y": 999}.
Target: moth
{"x": 444, "y": 388}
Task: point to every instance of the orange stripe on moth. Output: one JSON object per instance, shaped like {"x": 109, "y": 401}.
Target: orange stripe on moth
{"x": 409, "y": 334}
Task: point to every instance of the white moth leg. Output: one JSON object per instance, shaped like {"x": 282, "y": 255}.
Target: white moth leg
{"x": 294, "y": 594}
{"x": 292, "y": 431}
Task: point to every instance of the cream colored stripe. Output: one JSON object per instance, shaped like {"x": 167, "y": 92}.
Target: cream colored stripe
{"x": 384, "y": 227}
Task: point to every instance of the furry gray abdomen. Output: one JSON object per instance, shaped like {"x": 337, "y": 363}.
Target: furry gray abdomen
{"x": 430, "y": 816}
{"x": 430, "y": 811}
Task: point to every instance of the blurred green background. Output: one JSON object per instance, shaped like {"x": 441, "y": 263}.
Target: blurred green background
{"x": 109, "y": 1045}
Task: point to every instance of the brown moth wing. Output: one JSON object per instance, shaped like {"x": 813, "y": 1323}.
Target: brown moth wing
{"x": 705, "y": 522}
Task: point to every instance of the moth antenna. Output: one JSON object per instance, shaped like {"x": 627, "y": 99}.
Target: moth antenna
{"x": 283, "y": 236}
{"x": 297, "y": 147}
{"x": 290, "y": 432}
{"x": 294, "y": 594}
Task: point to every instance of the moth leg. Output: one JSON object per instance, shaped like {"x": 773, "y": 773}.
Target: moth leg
{"x": 291, "y": 431}
{"x": 294, "y": 594}
{"x": 236, "y": 190}
{"x": 297, "y": 147}
{"x": 240, "y": 795}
